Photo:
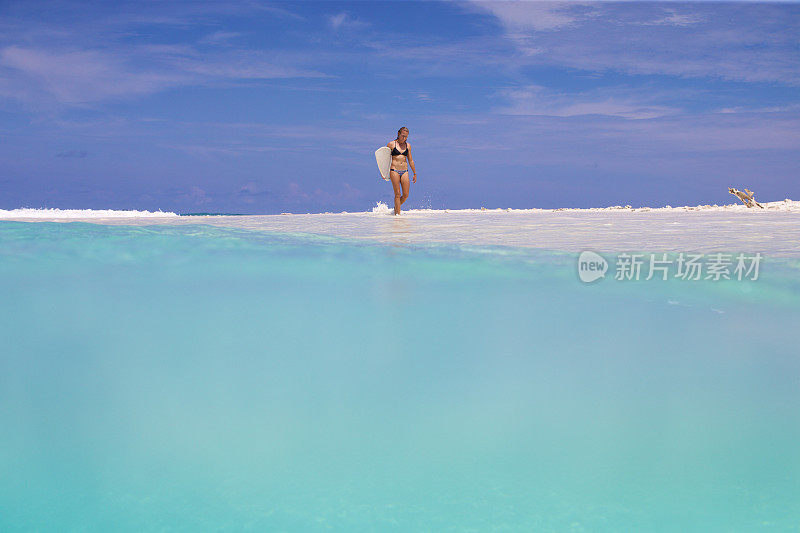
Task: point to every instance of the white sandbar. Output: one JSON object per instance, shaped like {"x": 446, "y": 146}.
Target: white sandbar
{"x": 774, "y": 230}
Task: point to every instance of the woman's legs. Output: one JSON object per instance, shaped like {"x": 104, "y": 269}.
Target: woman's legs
{"x": 398, "y": 190}
{"x": 400, "y": 186}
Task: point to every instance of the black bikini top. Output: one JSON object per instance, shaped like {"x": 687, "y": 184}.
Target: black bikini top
{"x": 395, "y": 151}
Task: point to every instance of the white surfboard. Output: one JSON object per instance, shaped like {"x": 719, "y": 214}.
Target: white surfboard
{"x": 383, "y": 156}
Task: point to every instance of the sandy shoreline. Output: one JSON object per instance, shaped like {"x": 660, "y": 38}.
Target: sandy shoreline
{"x": 774, "y": 230}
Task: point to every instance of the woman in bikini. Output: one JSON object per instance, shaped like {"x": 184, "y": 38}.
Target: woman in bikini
{"x": 398, "y": 171}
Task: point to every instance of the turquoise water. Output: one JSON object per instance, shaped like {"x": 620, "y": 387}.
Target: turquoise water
{"x": 198, "y": 378}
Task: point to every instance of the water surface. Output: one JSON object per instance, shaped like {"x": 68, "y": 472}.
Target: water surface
{"x": 191, "y": 377}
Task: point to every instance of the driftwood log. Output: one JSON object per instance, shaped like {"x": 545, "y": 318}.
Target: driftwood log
{"x": 746, "y": 197}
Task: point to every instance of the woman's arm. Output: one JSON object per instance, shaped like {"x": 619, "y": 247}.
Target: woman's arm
{"x": 411, "y": 161}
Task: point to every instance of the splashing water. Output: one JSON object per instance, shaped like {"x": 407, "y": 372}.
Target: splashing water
{"x": 382, "y": 209}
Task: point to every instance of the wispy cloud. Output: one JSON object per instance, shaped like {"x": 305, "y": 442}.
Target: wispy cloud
{"x": 82, "y": 76}
{"x": 617, "y": 102}
{"x": 73, "y": 153}
{"x": 673, "y": 18}
{"x": 125, "y": 15}
{"x": 112, "y": 54}
{"x": 220, "y": 37}
{"x": 451, "y": 58}
{"x": 78, "y": 76}
{"x": 343, "y": 21}
{"x": 541, "y": 16}
{"x": 742, "y": 42}
{"x": 769, "y": 109}
{"x": 251, "y": 192}
{"x": 239, "y": 139}
{"x": 682, "y": 133}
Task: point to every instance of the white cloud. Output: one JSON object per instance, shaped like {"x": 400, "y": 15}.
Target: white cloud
{"x": 80, "y": 76}
{"x": 343, "y": 20}
{"x": 625, "y": 103}
{"x": 48, "y": 63}
{"x": 675, "y": 19}
{"x": 220, "y": 37}
{"x": 519, "y": 16}
{"x": 769, "y": 109}
{"x": 680, "y": 140}
{"x": 748, "y": 42}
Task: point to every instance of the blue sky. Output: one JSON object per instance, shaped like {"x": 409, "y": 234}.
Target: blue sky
{"x": 265, "y": 107}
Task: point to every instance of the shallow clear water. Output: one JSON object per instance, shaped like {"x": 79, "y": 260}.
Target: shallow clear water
{"x": 198, "y": 378}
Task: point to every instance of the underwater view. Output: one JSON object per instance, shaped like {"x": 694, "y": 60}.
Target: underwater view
{"x": 428, "y": 266}
{"x": 191, "y": 377}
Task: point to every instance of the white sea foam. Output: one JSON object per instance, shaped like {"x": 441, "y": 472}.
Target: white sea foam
{"x": 45, "y": 213}
{"x": 703, "y": 228}
{"x": 382, "y": 209}
{"x": 787, "y": 205}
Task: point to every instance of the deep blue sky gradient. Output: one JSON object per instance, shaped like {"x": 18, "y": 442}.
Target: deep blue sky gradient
{"x": 265, "y": 107}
